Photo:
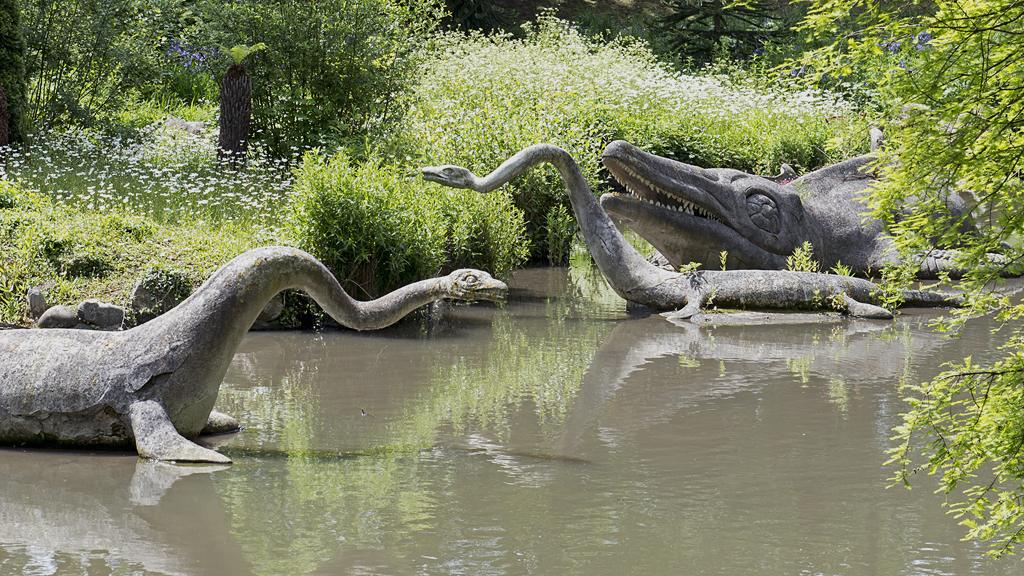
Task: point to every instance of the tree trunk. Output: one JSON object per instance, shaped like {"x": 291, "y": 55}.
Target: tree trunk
{"x": 5, "y": 133}
{"x": 235, "y": 113}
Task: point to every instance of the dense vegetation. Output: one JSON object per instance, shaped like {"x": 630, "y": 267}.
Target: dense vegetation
{"x": 113, "y": 107}
{"x": 138, "y": 140}
{"x": 947, "y": 76}
{"x": 483, "y": 98}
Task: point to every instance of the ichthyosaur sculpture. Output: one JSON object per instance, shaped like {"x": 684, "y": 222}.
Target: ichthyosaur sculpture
{"x": 156, "y": 384}
{"x": 693, "y": 214}
{"x": 638, "y": 281}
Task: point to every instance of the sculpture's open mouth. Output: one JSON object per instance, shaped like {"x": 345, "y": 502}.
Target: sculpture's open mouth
{"x": 688, "y": 213}
{"x": 642, "y": 189}
{"x": 497, "y": 291}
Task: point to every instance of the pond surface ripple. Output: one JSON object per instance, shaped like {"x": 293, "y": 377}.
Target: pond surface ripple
{"x": 557, "y": 435}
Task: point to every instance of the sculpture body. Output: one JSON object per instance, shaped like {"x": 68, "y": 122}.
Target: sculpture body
{"x": 693, "y": 214}
{"x": 637, "y": 280}
{"x": 156, "y": 384}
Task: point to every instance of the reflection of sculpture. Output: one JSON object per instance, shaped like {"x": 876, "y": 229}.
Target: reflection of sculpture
{"x": 636, "y": 280}
{"x": 693, "y": 214}
{"x": 156, "y": 384}
{"x": 815, "y": 349}
{"x": 117, "y": 514}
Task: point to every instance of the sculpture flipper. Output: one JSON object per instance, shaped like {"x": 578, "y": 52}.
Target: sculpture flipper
{"x": 691, "y": 309}
{"x": 220, "y": 423}
{"x": 156, "y": 437}
{"x": 864, "y": 310}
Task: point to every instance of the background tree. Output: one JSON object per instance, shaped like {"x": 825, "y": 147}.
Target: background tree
{"x": 701, "y": 29}
{"x": 236, "y": 105}
{"x": 12, "y": 73}
{"x": 334, "y": 70}
{"x": 948, "y": 78}
{"x": 474, "y": 14}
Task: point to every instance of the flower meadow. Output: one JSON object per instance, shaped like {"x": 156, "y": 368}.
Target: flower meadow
{"x": 163, "y": 171}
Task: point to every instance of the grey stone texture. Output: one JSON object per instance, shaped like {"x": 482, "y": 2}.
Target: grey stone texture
{"x": 59, "y": 317}
{"x": 101, "y": 314}
{"x": 154, "y": 386}
{"x": 694, "y": 214}
{"x": 684, "y": 294}
{"x": 36, "y": 302}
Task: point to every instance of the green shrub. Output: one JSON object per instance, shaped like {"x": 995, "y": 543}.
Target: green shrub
{"x": 481, "y": 99}
{"x": 377, "y": 229}
{"x": 86, "y": 58}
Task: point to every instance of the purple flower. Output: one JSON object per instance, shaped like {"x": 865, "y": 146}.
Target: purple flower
{"x": 892, "y": 46}
{"x": 923, "y": 40}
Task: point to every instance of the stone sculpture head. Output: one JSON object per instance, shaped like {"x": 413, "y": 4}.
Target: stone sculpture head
{"x": 449, "y": 175}
{"x": 470, "y": 285}
{"x": 685, "y": 209}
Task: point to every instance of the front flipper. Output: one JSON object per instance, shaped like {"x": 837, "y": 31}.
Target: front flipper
{"x": 156, "y": 437}
{"x": 220, "y": 423}
{"x": 862, "y": 310}
{"x": 691, "y": 309}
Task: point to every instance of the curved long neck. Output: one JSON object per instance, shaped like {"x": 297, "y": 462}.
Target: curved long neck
{"x": 229, "y": 302}
{"x": 624, "y": 268}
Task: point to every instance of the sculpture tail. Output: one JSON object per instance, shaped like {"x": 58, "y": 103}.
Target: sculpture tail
{"x": 922, "y": 299}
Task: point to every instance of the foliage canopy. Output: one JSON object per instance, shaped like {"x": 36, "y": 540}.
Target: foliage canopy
{"x": 949, "y": 75}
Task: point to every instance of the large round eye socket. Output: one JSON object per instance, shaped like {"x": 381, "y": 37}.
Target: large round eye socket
{"x": 470, "y": 279}
{"x": 763, "y": 212}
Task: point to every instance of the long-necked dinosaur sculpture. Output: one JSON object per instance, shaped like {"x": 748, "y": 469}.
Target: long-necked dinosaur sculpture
{"x": 692, "y": 213}
{"x": 637, "y": 280}
{"x": 155, "y": 385}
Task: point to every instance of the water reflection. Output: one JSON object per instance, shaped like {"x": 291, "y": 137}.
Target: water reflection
{"x": 76, "y": 513}
{"x": 556, "y": 435}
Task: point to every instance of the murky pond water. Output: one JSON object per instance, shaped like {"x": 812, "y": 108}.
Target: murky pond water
{"x": 556, "y": 435}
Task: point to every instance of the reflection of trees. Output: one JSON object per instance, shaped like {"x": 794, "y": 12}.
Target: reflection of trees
{"x": 549, "y": 439}
{"x": 296, "y": 502}
{"x": 543, "y": 367}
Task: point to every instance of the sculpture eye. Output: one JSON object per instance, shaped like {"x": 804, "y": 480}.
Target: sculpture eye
{"x": 763, "y": 212}
{"x": 470, "y": 278}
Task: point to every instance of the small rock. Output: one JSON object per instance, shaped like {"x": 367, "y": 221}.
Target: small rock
{"x": 36, "y": 302}
{"x": 59, "y": 317}
{"x": 101, "y": 314}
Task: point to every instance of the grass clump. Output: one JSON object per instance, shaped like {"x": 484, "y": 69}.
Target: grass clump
{"x": 378, "y": 229}
{"x": 78, "y": 254}
{"x": 483, "y": 98}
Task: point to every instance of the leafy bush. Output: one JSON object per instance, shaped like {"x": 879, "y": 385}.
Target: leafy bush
{"x": 481, "y": 99}
{"x": 376, "y": 229}
{"x": 86, "y": 57}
